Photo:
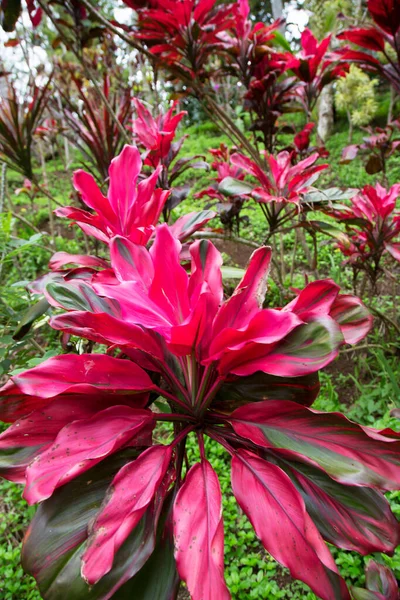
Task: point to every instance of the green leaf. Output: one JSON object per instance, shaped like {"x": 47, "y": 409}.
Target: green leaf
{"x": 328, "y": 229}
{"x": 232, "y": 272}
{"x": 233, "y": 187}
{"x": 55, "y": 541}
{"x": 35, "y": 311}
{"x": 260, "y": 386}
{"x": 362, "y": 594}
{"x": 333, "y": 194}
{"x": 80, "y": 297}
{"x": 282, "y": 41}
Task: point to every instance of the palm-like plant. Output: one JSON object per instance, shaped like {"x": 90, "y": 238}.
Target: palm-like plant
{"x": 91, "y": 127}
{"x": 19, "y": 119}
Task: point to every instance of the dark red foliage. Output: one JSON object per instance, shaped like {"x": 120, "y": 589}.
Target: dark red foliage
{"x": 386, "y": 17}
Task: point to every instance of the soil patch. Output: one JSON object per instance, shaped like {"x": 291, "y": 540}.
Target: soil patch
{"x": 239, "y": 253}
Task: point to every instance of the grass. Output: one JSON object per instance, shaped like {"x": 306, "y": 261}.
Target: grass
{"x": 366, "y": 390}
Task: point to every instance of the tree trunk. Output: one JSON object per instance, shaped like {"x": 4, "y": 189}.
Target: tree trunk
{"x": 393, "y": 96}
{"x": 277, "y": 8}
{"x": 350, "y": 136}
{"x": 325, "y": 113}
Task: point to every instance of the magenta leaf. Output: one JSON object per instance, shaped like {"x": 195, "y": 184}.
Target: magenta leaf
{"x": 279, "y": 517}
{"x": 199, "y": 534}
{"x": 55, "y": 541}
{"x": 81, "y": 374}
{"x": 132, "y": 491}
{"x": 32, "y": 434}
{"x": 353, "y": 518}
{"x": 80, "y": 445}
{"x": 347, "y": 452}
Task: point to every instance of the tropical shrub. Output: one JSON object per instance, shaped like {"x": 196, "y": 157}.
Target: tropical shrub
{"x": 117, "y": 507}
{"x": 380, "y": 38}
{"x": 19, "y": 121}
{"x": 227, "y": 208}
{"x": 91, "y": 127}
{"x": 373, "y": 227}
{"x": 377, "y": 147}
{"x": 285, "y": 187}
{"x": 161, "y": 152}
{"x": 355, "y": 94}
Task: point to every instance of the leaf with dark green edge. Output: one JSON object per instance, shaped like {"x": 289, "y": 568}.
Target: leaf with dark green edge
{"x": 158, "y": 579}
{"x": 234, "y": 187}
{"x": 328, "y": 229}
{"x": 80, "y": 296}
{"x": 232, "y": 272}
{"x": 349, "y": 453}
{"x": 333, "y": 194}
{"x": 353, "y": 518}
{"x": 260, "y": 386}
{"x": 35, "y": 311}
{"x": 10, "y": 11}
{"x": 183, "y": 227}
{"x": 55, "y": 541}
{"x": 362, "y": 594}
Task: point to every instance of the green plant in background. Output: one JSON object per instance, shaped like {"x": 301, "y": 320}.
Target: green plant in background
{"x": 355, "y": 94}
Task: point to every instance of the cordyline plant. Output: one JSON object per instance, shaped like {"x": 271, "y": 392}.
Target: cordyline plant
{"x": 19, "y": 120}
{"x": 133, "y": 205}
{"x": 157, "y": 136}
{"x": 377, "y": 147}
{"x": 316, "y": 67}
{"x": 373, "y": 227}
{"x": 227, "y": 208}
{"x": 382, "y": 38}
{"x": 116, "y": 507}
{"x": 91, "y": 128}
{"x": 284, "y": 188}
{"x": 250, "y": 56}
{"x": 184, "y": 34}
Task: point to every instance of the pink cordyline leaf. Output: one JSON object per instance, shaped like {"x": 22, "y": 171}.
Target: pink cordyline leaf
{"x": 386, "y": 14}
{"x": 132, "y": 490}
{"x": 380, "y": 578}
{"x": 81, "y": 374}
{"x": 60, "y": 259}
{"x": 354, "y": 518}
{"x": 369, "y": 38}
{"x": 80, "y": 445}
{"x": 360, "y": 457}
{"x": 183, "y": 227}
{"x": 199, "y": 534}
{"x": 156, "y": 135}
{"x": 279, "y": 517}
{"x": 39, "y": 428}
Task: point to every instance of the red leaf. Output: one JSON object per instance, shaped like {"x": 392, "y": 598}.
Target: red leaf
{"x": 80, "y": 445}
{"x": 279, "y": 517}
{"x": 349, "y": 453}
{"x": 81, "y": 374}
{"x": 369, "y": 38}
{"x": 386, "y": 13}
{"x": 199, "y": 534}
{"x": 132, "y": 491}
